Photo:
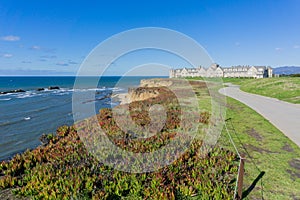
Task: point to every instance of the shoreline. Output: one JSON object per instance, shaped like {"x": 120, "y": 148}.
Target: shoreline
{"x": 63, "y": 159}
{"x": 119, "y": 98}
{"x": 23, "y": 127}
{"x": 123, "y": 98}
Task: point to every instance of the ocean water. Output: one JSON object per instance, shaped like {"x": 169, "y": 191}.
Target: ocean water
{"x": 25, "y": 116}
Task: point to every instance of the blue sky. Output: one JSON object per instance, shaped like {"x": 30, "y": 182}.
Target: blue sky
{"x": 53, "y": 37}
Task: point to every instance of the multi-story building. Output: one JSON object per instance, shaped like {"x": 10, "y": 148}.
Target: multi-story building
{"x": 216, "y": 71}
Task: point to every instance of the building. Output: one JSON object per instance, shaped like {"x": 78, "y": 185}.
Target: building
{"x": 216, "y": 71}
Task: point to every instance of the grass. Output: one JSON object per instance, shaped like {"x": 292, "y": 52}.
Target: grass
{"x": 266, "y": 150}
{"x": 269, "y": 153}
{"x": 282, "y": 88}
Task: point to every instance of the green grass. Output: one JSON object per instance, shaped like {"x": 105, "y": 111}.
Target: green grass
{"x": 283, "y": 88}
{"x": 266, "y": 149}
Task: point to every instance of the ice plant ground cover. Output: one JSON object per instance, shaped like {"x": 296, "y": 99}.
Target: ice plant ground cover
{"x": 62, "y": 168}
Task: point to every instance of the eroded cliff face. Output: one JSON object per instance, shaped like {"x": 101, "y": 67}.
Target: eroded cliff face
{"x": 157, "y": 82}
{"x": 149, "y": 88}
{"x": 142, "y": 93}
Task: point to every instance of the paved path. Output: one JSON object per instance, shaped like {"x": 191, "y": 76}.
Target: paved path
{"x": 285, "y": 116}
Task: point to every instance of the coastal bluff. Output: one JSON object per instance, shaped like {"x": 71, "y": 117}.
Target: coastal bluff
{"x": 156, "y": 82}
{"x": 152, "y": 88}
{"x": 67, "y": 166}
{"x": 148, "y": 88}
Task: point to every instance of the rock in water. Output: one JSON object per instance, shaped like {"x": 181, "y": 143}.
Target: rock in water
{"x": 44, "y": 139}
{"x": 19, "y": 90}
{"x": 12, "y": 91}
{"x": 53, "y": 88}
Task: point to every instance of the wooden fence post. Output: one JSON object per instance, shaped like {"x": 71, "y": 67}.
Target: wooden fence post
{"x": 240, "y": 179}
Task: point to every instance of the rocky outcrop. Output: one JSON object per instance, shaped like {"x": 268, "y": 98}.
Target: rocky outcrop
{"x": 12, "y": 91}
{"x": 38, "y": 89}
{"x": 45, "y": 139}
{"x": 142, "y": 93}
{"x": 53, "y": 88}
{"x": 149, "y": 88}
{"x": 156, "y": 82}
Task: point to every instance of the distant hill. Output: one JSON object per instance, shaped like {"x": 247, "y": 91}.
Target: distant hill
{"x": 286, "y": 70}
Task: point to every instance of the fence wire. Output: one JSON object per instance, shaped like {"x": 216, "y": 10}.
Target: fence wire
{"x": 239, "y": 154}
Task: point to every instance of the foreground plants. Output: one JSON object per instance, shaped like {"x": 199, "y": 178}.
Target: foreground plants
{"x": 62, "y": 168}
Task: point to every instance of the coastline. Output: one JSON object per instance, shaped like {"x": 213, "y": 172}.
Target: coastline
{"x": 63, "y": 163}
{"x": 138, "y": 93}
{"x": 27, "y": 115}
{"x": 123, "y": 98}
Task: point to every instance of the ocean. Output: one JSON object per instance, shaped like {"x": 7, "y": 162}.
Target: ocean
{"x": 25, "y": 116}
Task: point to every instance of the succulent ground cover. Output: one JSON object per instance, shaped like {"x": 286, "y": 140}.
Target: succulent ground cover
{"x": 63, "y": 168}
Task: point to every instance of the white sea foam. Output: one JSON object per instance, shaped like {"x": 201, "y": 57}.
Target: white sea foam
{"x": 27, "y": 94}
{"x": 58, "y": 92}
{"x": 5, "y": 99}
{"x": 19, "y": 142}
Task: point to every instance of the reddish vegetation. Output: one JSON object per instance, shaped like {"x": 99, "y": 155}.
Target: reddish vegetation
{"x": 63, "y": 168}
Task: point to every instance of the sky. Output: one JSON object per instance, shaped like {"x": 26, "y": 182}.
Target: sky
{"x": 54, "y": 37}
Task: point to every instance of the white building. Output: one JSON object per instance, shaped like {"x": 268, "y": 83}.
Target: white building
{"x": 216, "y": 71}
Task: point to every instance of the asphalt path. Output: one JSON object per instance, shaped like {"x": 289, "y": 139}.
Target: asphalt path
{"x": 285, "y": 116}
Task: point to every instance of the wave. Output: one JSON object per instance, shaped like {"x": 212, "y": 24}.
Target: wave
{"x": 19, "y": 142}
{"x": 40, "y": 109}
{"x": 15, "y": 121}
{"x": 57, "y": 92}
{"x": 5, "y": 99}
{"x": 27, "y": 94}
